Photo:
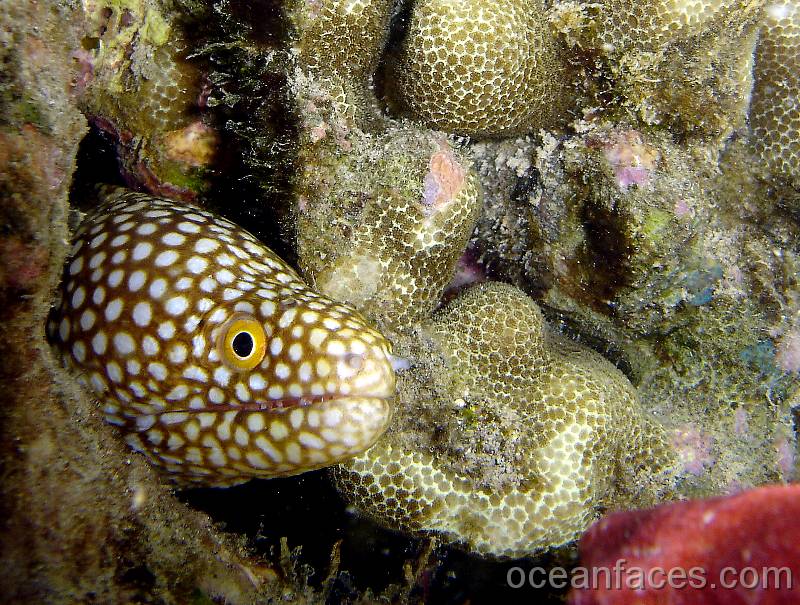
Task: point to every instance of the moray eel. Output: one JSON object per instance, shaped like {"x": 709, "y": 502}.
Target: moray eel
{"x": 209, "y": 352}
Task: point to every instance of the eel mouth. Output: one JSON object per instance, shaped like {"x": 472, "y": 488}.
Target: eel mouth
{"x": 287, "y": 403}
{"x": 227, "y": 444}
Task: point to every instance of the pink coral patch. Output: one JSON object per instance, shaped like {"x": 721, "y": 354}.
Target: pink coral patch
{"x": 788, "y": 354}
{"x": 468, "y": 271}
{"x": 694, "y": 449}
{"x": 786, "y": 457}
{"x": 740, "y": 422}
{"x": 444, "y": 180}
{"x": 682, "y": 209}
{"x": 632, "y": 160}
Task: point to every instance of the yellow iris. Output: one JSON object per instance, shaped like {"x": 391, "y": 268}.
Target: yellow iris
{"x": 243, "y": 343}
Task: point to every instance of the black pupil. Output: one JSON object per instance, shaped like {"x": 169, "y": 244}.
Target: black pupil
{"x": 243, "y": 344}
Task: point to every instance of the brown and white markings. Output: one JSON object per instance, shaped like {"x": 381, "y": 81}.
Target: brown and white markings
{"x": 210, "y": 353}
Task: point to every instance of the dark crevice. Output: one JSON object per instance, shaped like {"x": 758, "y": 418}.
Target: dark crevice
{"x": 308, "y": 511}
{"x": 96, "y": 163}
{"x": 398, "y": 29}
{"x": 602, "y": 268}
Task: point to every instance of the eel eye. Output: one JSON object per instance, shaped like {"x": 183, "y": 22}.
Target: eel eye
{"x": 243, "y": 342}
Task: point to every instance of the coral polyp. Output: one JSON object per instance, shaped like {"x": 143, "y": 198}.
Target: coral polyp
{"x": 473, "y": 69}
{"x": 329, "y": 45}
{"x": 570, "y": 430}
{"x": 623, "y": 26}
{"x": 775, "y": 113}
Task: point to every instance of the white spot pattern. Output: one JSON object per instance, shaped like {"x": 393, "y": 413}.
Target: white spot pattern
{"x": 148, "y": 291}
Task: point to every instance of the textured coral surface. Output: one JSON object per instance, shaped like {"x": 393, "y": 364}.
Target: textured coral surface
{"x": 775, "y": 113}
{"x": 385, "y": 209}
{"x": 471, "y": 68}
{"x": 576, "y": 436}
{"x": 626, "y": 25}
{"x": 82, "y": 520}
{"x": 393, "y": 253}
{"x": 686, "y": 63}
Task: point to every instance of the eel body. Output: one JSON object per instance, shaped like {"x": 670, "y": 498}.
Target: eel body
{"x": 209, "y": 352}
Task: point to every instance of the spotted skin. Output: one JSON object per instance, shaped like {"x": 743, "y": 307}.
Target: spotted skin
{"x": 154, "y": 301}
